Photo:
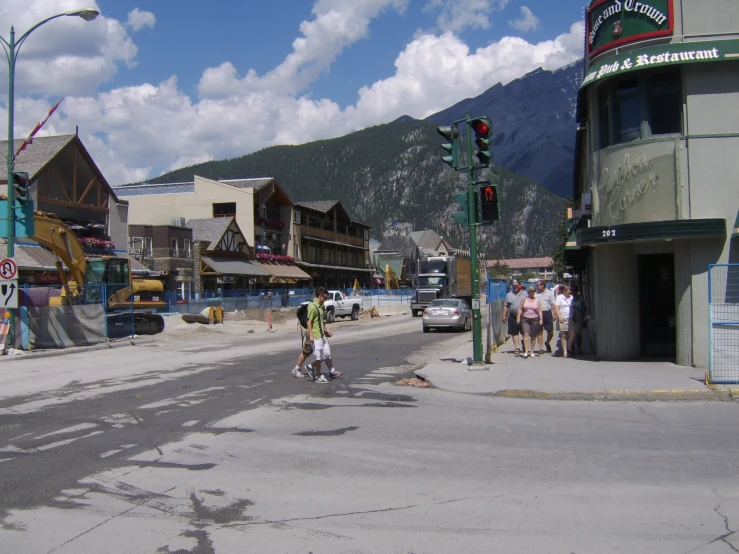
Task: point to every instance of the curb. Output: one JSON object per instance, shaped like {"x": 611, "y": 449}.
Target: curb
{"x": 674, "y": 395}
{"x": 35, "y": 355}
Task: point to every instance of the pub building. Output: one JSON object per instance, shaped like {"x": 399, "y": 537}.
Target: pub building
{"x": 656, "y": 166}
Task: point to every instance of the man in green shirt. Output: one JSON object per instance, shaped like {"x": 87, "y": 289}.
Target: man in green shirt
{"x": 319, "y": 334}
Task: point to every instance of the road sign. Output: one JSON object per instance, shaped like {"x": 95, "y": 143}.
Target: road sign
{"x": 8, "y": 270}
{"x": 9, "y": 294}
{"x": 475, "y": 303}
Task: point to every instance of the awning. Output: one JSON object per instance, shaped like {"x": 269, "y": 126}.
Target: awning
{"x": 663, "y": 55}
{"x": 284, "y": 271}
{"x": 336, "y": 267}
{"x": 654, "y": 230}
{"x": 234, "y": 266}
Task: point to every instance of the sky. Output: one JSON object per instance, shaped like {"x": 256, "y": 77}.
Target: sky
{"x": 155, "y": 85}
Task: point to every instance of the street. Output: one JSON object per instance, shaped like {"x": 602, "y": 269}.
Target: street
{"x": 211, "y": 446}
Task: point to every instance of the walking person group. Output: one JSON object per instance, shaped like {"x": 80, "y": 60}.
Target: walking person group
{"x": 316, "y": 342}
{"x": 530, "y": 312}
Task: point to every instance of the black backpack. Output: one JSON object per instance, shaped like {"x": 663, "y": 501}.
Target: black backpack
{"x": 302, "y": 313}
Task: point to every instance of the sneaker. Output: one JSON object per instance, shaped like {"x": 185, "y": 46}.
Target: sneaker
{"x": 310, "y": 373}
{"x": 549, "y": 348}
{"x": 297, "y": 373}
{"x": 321, "y": 379}
{"x": 334, "y": 374}
{"x": 525, "y": 354}
{"x": 533, "y": 354}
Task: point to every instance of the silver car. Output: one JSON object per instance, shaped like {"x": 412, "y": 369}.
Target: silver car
{"x": 447, "y": 313}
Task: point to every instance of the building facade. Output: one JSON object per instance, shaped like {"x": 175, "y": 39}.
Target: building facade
{"x": 329, "y": 246}
{"x": 655, "y": 172}
{"x": 540, "y": 268}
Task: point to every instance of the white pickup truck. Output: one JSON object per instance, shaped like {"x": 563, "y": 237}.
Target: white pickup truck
{"x": 340, "y": 305}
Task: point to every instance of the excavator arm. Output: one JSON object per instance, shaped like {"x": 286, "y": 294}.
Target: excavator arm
{"x": 51, "y": 232}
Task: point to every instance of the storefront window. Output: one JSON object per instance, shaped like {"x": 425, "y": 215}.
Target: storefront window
{"x": 639, "y": 108}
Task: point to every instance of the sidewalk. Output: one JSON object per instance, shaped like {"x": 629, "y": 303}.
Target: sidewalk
{"x": 554, "y": 378}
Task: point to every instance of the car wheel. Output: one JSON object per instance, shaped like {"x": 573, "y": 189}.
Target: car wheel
{"x": 330, "y": 317}
{"x": 426, "y": 329}
{"x": 355, "y": 313}
{"x": 415, "y": 313}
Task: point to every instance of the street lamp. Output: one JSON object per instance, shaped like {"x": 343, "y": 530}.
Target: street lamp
{"x": 11, "y": 52}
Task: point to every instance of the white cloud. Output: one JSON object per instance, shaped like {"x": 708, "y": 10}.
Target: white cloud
{"x": 67, "y": 55}
{"x": 457, "y": 15}
{"x": 337, "y": 24}
{"x": 138, "y": 19}
{"x": 527, "y": 22}
{"x": 136, "y": 132}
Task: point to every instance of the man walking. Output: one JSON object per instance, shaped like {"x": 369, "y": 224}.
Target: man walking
{"x": 546, "y": 297}
{"x": 319, "y": 335}
{"x": 511, "y": 306}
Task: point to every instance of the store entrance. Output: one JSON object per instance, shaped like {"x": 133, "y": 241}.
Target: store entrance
{"x": 657, "y": 302}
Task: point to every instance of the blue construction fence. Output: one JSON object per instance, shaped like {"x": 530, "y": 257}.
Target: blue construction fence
{"x": 232, "y": 300}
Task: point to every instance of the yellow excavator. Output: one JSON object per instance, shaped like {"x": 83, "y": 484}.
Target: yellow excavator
{"x": 84, "y": 275}
{"x": 391, "y": 279}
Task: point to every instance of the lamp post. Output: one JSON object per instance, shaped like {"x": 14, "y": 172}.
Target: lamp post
{"x": 11, "y": 52}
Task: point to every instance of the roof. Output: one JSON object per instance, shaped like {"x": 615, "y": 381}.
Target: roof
{"x": 399, "y": 243}
{"x": 426, "y": 238}
{"x": 38, "y": 154}
{"x": 145, "y": 189}
{"x": 34, "y": 257}
{"x": 284, "y": 271}
{"x": 234, "y": 266}
{"x": 523, "y": 263}
{"x": 209, "y": 230}
{"x": 322, "y": 206}
{"x": 252, "y": 183}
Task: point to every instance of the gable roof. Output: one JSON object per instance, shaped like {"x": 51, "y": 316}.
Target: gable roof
{"x": 322, "y": 206}
{"x": 209, "y": 230}
{"x": 426, "y": 238}
{"x": 251, "y": 183}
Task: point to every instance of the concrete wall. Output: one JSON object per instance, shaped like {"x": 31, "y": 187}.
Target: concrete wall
{"x": 615, "y": 278}
{"x": 118, "y": 225}
{"x": 706, "y": 17}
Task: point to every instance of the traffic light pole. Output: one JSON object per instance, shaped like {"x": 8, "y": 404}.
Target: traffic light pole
{"x": 10, "y": 193}
{"x": 472, "y": 219}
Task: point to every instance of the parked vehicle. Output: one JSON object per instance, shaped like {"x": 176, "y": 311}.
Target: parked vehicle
{"x": 442, "y": 277}
{"x": 340, "y": 305}
{"x": 447, "y": 313}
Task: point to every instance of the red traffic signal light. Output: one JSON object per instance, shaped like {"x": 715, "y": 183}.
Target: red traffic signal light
{"x": 488, "y": 194}
{"x": 481, "y": 127}
{"x": 21, "y": 183}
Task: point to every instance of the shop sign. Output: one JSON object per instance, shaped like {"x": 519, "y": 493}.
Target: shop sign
{"x": 611, "y": 23}
{"x": 636, "y": 184}
{"x": 662, "y": 56}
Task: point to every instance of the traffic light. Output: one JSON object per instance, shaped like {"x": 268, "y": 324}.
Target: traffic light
{"x": 489, "y": 209}
{"x": 462, "y": 216}
{"x": 482, "y": 129}
{"x": 21, "y": 183}
{"x": 451, "y": 134}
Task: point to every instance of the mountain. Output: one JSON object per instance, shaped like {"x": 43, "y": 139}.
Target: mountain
{"x": 533, "y": 124}
{"x": 394, "y": 173}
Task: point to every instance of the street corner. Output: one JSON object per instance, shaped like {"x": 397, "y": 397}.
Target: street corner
{"x": 413, "y": 382}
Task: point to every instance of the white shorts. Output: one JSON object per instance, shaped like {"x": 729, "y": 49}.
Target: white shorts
{"x": 321, "y": 349}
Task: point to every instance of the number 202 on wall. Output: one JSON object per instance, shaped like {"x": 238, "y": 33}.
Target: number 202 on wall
{"x": 609, "y": 233}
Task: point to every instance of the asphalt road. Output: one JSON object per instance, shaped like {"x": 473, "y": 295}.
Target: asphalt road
{"x": 209, "y": 447}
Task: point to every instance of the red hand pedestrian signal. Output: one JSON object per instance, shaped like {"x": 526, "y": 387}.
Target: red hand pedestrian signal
{"x": 488, "y": 194}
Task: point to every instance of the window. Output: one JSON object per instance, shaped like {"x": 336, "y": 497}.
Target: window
{"x": 175, "y": 247}
{"x": 148, "y": 249}
{"x": 187, "y": 248}
{"x": 638, "y": 108}
{"x": 296, "y": 218}
{"x": 183, "y": 290}
{"x": 224, "y": 209}
{"x": 135, "y": 244}
{"x": 297, "y": 251}
{"x": 366, "y": 234}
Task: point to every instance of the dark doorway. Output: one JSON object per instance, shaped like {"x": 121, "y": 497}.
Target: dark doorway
{"x": 657, "y": 301}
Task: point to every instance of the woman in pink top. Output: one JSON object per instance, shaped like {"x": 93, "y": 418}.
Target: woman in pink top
{"x": 532, "y": 320}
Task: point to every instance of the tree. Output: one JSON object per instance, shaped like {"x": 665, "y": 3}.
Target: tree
{"x": 498, "y": 269}
{"x": 558, "y": 254}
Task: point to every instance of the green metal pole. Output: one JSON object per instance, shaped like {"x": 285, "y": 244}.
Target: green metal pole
{"x": 11, "y": 191}
{"x": 472, "y": 219}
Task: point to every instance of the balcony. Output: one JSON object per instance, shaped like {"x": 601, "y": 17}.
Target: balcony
{"x": 269, "y": 223}
{"x": 314, "y": 232}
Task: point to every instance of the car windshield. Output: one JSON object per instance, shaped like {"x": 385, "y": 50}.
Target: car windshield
{"x": 444, "y": 304}
{"x": 426, "y": 281}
